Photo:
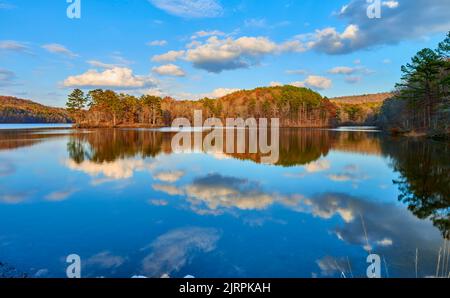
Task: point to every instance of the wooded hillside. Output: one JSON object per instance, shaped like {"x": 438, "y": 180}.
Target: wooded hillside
{"x": 15, "y": 110}
{"x": 295, "y": 107}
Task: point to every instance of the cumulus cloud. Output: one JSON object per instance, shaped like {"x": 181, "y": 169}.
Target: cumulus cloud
{"x": 175, "y": 249}
{"x": 220, "y": 92}
{"x": 169, "y": 70}
{"x": 116, "y": 170}
{"x": 350, "y": 173}
{"x": 217, "y": 55}
{"x": 170, "y": 56}
{"x": 170, "y": 176}
{"x": 214, "y": 193}
{"x": 318, "y": 82}
{"x": 116, "y": 77}
{"x": 218, "y": 191}
{"x": 318, "y": 166}
{"x": 331, "y": 266}
{"x": 59, "y": 49}
{"x": 275, "y": 84}
{"x": 430, "y": 16}
{"x": 190, "y": 8}
{"x": 388, "y": 236}
{"x": 157, "y": 43}
{"x": 314, "y": 82}
{"x": 203, "y": 33}
{"x": 168, "y": 189}
{"x": 350, "y": 73}
{"x": 342, "y": 70}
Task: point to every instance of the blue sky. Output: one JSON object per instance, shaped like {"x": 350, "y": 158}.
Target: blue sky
{"x": 194, "y": 48}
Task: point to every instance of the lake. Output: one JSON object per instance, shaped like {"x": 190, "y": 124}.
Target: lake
{"x": 128, "y": 205}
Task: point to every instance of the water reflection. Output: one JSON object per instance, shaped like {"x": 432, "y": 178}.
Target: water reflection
{"x": 331, "y": 198}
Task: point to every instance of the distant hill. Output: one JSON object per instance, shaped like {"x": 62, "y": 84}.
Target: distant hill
{"x": 360, "y": 109}
{"x": 15, "y": 110}
{"x": 361, "y": 99}
{"x": 295, "y": 107}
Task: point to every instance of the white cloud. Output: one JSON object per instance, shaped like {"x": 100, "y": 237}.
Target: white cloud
{"x": 342, "y": 70}
{"x": 168, "y": 189}
{"x": 171, "y": 176}
{"x": 99, "y": 64}
{"x": 59, "y": 49}
{"x": 297, "y": 84}
{"x": 169, "y": 70}
{"x": 202, "y": 34}
{"x": 12, "y": 45}
{"x": 116, "y": 170}
{"x": 330, "y": 41}
{"x": 170, "y": 56}
{"x": 217, "y": 55}
{"x": 385, "y": 242}
{"x": 172, "y": 251}
{"x": 190, "y": 8}
{"x": 275, "y": 84}
{"x": 414, "y": 20}
{"x": 390, "y": 4}
{"x": 220, "y": 92}
{"x": 318, "y": 82}
{"x": 117, "y": 77}
{"x": 318, "y": 166}
{"x": 157, "y": 43}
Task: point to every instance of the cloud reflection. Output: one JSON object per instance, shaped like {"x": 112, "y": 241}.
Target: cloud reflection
{"x": 117, "y": 170}
{"x": 173, "y": 250}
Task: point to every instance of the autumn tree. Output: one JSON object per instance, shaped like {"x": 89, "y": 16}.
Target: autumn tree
{"x": 152, "y": 108}
{"x": 76, "y": 103}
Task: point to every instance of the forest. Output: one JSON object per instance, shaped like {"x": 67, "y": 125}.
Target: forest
{"x": 296, "y": 107}
{"x": 15, "y": 110}
{"x": 421, "y": 102}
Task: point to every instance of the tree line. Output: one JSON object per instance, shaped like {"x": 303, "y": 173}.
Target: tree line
{"x": 296, "y": 107}
{"x": 422, "y": 98}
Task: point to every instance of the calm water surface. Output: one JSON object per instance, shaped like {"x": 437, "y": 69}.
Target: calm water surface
{"x": 124, "y": 202}
{"x": 33, "y": 125}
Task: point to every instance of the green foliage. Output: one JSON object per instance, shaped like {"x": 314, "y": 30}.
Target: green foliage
{"x": 294, "y": 106}
{"x": 76, "y": 101}
{"x": 425, "y": 87}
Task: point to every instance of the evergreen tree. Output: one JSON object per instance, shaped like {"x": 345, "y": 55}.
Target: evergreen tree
{"x": 76, "y": 102}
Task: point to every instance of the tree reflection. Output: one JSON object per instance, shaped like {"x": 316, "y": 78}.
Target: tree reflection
{"x": 424, "y": 181}
{"x": 297, "y": 146}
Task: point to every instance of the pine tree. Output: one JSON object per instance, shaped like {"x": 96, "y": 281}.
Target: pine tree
{"x": 76, "y": 102}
